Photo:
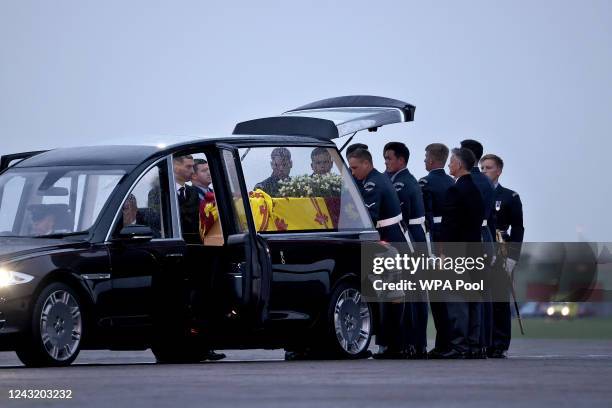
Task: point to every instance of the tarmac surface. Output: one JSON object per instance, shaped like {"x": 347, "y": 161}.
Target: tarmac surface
{"x": 555, "y": 373}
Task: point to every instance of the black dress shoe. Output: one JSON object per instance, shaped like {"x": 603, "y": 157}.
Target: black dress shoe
{"x": 212, "y": 356}
{"x": 389, "y": 355}
{"x": 497, "y": 353}
{"x": 478, "y": 354}
{"x": 435, "y": 353}
{"x": 452, "y": 355}
{"x": 416, "y": 354}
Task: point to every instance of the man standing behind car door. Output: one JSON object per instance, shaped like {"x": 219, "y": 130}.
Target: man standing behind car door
{"x": 384, "y": 207}
{"x": 189, "y": 207}
{"x": 396, "y": 156}
{"x": 189, "y": 202}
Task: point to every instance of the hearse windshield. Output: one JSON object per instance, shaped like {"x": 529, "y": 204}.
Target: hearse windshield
{"x": 53, "y": 201}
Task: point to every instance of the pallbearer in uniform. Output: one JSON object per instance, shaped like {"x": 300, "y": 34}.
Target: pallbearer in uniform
{"x": 396, "y": 156}
{"x": 434, "y": 186}
{"x": 384, "y": 207}
{"x": 488, "y": 238}
{"x": 354, "y": 147}
{"x": 509, "y": 223}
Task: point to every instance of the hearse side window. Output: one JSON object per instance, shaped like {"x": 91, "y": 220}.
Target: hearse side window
{"x": 234, "y": 187}
{"x": 143, "y": 205}
{"x": 195, "y": 190}
{"x": 301, "y": 189}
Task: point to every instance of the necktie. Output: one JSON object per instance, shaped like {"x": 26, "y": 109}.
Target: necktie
{"x": 182, "y": 193}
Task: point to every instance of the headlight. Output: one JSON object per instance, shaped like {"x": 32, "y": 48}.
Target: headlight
{"x": 550, "y": 311}
{"x": 565, "y": 311}
{"x": 10, "y": 278}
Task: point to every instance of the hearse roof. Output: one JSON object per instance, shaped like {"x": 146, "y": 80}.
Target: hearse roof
{"x": 134, "y": 154}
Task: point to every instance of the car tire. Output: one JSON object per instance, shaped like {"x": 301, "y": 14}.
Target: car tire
{"x": 55, "y": 334}
{"x": 349, "y": 323}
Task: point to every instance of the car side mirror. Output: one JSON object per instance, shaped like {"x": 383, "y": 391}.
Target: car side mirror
{"x": 136, "y": 233}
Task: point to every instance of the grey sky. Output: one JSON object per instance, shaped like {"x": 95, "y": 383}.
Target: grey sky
{"x": 531, "y": 80}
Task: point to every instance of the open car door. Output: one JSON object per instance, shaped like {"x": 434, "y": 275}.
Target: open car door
{"x": 249, "y": 253}
{"x": 332, "y": 118}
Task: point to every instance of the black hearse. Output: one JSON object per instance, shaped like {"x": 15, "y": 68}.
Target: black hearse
{"x": 94, "y": 252}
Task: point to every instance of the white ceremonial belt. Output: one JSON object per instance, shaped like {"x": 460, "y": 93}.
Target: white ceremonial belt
{"x": 389, "y": 221}
{"x": 416, "y": 221}
{"x": 437, "y": 220}
{"x": 484, "y": 223}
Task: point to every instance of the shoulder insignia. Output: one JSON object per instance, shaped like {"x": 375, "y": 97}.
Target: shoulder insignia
{"x": 423, "y": 180}
{"x": 369, "y": 186}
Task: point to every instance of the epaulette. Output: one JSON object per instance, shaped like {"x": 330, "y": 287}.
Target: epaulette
{"x": 423, "y": 180}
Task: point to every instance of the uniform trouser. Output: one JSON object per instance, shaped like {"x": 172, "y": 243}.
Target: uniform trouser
{"x": 486, "y": 328}
{"x": 457, "y": 326}
{"x": 414, "y": 324}
{"x": 486, "y": 336}
{"x": 464, "y": 325}
{"x": 391, "y": 332}
{"x": 502, "y": 326}
{"x": 439, "y": 313}
{"x": 476, "y": 312}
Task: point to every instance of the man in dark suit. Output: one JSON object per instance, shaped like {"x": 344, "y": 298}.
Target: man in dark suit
{"x": 189, "y": 207}
{"x": 462, "y": 215}
{"x": 201, "y": 178}
{"x": 434, "y": 186}
{"x": 189, "y": 201}
{"x": 510, "y": 231}
{"x": 485, "y": 186}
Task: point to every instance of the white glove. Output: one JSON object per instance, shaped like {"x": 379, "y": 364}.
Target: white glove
{"x": 509, "y": 266}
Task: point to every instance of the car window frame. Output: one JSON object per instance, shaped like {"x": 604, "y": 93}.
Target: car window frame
{"x": 173, "y": 203}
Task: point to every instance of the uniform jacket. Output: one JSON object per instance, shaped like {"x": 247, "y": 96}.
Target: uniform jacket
{"x": 382, "y": 203}
{"x": 271, "y": 185}
{"x": 434, "y": 187}
{"x": 485, "y": 186}
{"x": 411, "y": 201}
{"x": 509, "y": 217}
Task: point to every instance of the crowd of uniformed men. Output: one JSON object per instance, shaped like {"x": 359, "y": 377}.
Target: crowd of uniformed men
{"x": 468, "y": 206}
